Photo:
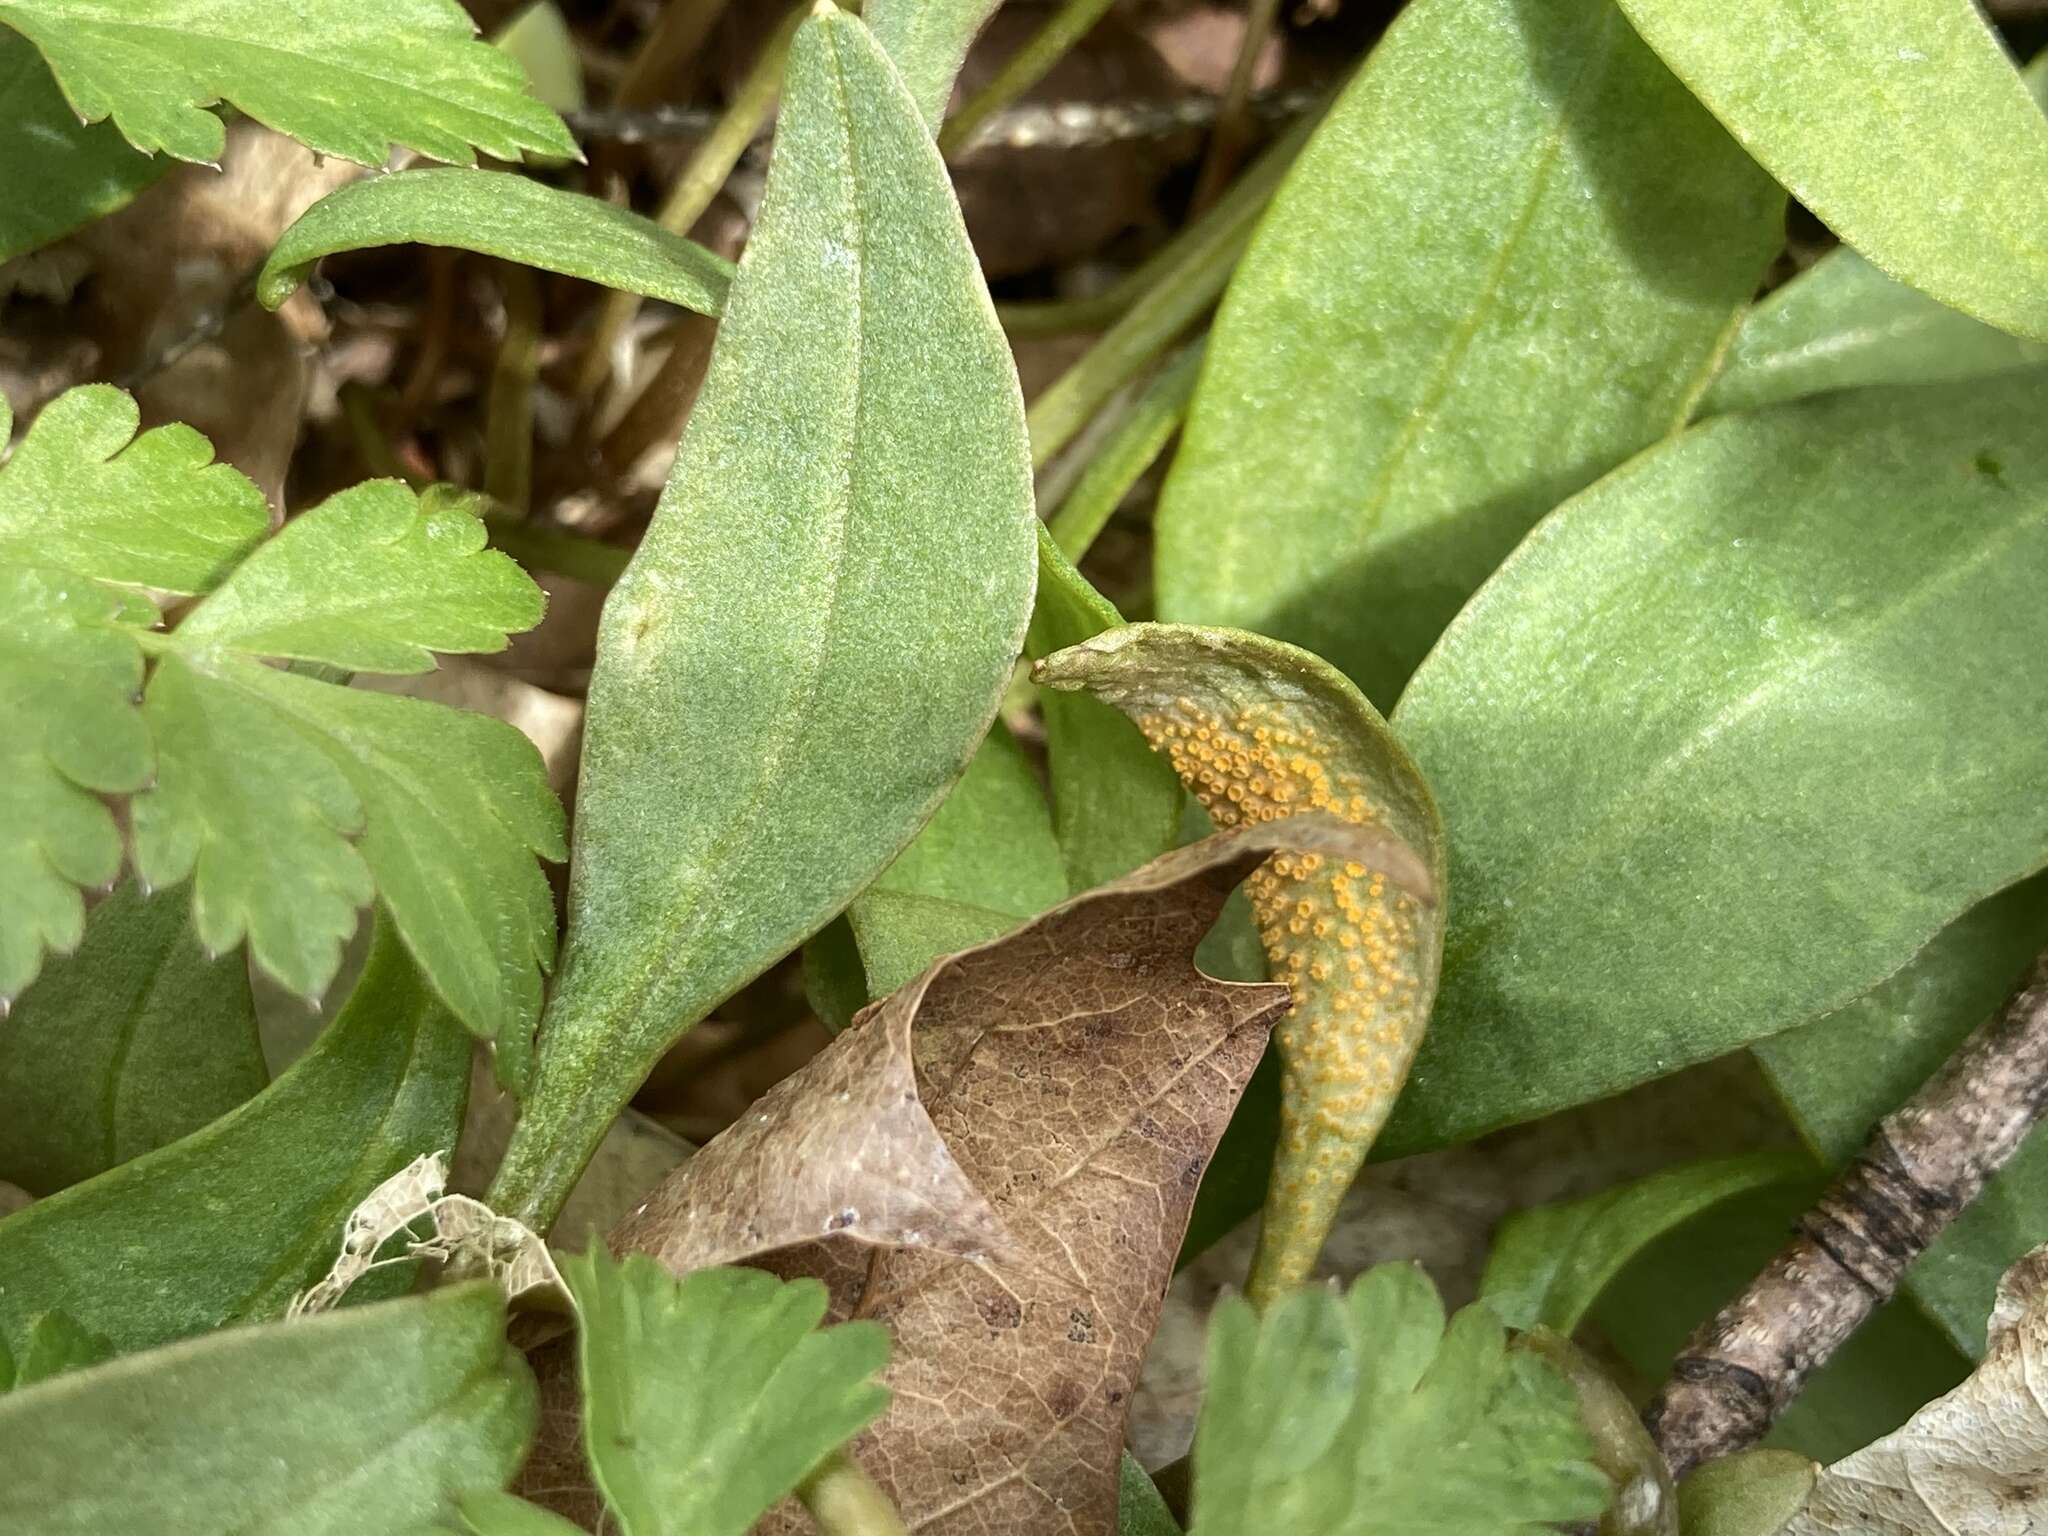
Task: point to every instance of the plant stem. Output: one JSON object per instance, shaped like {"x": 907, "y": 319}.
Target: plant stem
{"x": 556, "y": 549}
{"x": 1233, "y": 123}
{"x": 508, "y": 418}
{"x": 1922, "y": 1165}
{"x": 844, "y": 1501}
{"x": 1137, "y": 442}
{"x": 1201, "y": 267}
{"x": 1022, "y": 70}
{"x": 664, "y": 404}
{"x": 1247, "y": 199}
{"x": 696, "y": 185}
{"x": 676, "y": 36}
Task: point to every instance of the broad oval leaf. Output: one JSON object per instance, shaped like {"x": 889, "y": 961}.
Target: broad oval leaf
{"x": 138, "y": 1039}
{"x": 508, "y": 216}
{"x": 1508, "y": 259}
{"x": 1259, "y": 731}
{"x": 1729, "y": 738}
{"x": 819, "y": 624}
{"x": 60, "y": 173}
{"x": 1843, "y": 323}
{"x": 1752, "y": 1493}
{"x": 1843, "y": 1073}
{"x": 225, "y": 1225}
{"x": 1901, "y": 123}
{"x": 347, "y": 80}
{"x": 360, "y": 1423}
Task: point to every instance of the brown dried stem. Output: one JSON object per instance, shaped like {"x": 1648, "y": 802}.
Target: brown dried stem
{"x": 1922, "y": 1165}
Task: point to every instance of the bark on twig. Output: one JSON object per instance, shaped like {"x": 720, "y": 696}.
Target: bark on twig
{"x": 1922, "y": 1165}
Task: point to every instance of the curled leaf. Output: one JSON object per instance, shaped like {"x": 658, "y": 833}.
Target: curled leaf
{"x": 1969, "y": 1462}
{"x": 1044, "y": 1106}
{"x": 1261, "y": 731}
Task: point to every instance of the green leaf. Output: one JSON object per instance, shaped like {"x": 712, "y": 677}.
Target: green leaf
{"x": 85, "y": 493}
{"x": 490, "y": 1512}
{"x": 1842, "y": 323}
{"x": 1258, "y": 730}
{"x": 59, "y": 173}
{"x": 374, "y": 579}
{"x": 264, "y": 777}
{"x": 1549, "y": 1263}
{"x": 1131, "y": 450}
{"x": 983, "y": 864}
{"x": 927, "y": 40}
{"x": 56, "y": 1344}
{"x": 539, "y": 37}
{"x": 707, "y": 1399}
{"x": 1752, "y": 1493}
{"x": 1841, "y": 1074}
{"x": 1891, "y": 1366}
{"x": 1901, "y": 123}
{"x": 138, "y": 1039}
{"x": 357, "y": 1423}
{"x": 500, "y": 215}
{"x": 1362, "y": 1414}
{"x": 69, "y": 669}
{"x": 1729, "y": 738}
{"x": 227, "y": 1224}
{"x": 1140, "y": 1511}
{"x": 810, "y": 641}
{"x": 1508, "y": 259}
{"x": 347, "y": 80}
{"x": 1115, "y": 803}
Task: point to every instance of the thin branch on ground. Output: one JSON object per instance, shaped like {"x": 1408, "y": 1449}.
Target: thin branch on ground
{"x": 1921, "y": 1167}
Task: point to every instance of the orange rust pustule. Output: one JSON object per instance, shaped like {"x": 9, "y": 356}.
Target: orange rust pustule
{"x": 1338, "y": 933}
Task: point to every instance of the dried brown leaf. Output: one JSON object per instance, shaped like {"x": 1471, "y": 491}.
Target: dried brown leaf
{"x": 1969, "y": 1463}
{"x": 998, "y": 1163}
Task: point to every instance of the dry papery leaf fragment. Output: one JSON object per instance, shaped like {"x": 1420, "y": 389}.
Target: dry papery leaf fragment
{"x": 997, "y": 1161}
{"x": 1970, "y": 1463}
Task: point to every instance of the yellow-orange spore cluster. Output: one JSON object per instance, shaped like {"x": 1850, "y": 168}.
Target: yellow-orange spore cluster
{"x": 1337, "y": 933}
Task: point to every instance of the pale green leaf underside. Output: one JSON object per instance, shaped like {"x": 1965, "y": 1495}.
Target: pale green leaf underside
{"x": 348, "y": 80}
{"x": 506, "y": 216}
{"x": 707, "y": 1399}
{"x": 1549, "y": 1263}
{"x": 359, "y": 1423}
{"x": 1506, "y": 261}
{"x": 1839, "y": 1075}
{"x": 59, "y": 173}
{"x": 1729, "y": 738}
{"x": 84, "y": 493}
{"x": 1901, "y": 123}
{"x": 225, "y": 1225}
{"x": 1362, "y": 1415}
{"x": 138, "y": 1039}
{"x": 819, "y": 624}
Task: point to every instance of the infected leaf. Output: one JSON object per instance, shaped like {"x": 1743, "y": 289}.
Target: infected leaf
{"x": 1043, "y": 1106}
{"x": 1260, "y": 731}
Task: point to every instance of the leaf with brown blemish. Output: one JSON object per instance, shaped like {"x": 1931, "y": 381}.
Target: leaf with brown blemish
{"x": 1259, "y": 732}
{"x": 1054, "y": 1097}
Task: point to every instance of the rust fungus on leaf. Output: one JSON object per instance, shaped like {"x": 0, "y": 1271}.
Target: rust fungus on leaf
{"x": 1260, "y": 731}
